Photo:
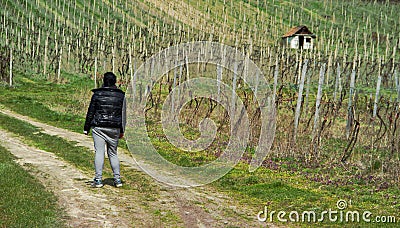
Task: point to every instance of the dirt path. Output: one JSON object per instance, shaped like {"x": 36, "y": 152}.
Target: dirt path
{"x": 194, "y": 207}
{"x": 83, "y": 206}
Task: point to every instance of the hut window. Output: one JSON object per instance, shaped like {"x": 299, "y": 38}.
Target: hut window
{"x": 308, "y": 40}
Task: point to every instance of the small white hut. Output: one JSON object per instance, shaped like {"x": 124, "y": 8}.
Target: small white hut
{"x": 299, "y": 37}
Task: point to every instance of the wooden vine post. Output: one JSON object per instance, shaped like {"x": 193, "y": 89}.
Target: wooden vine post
{"x": 11, "y": 66}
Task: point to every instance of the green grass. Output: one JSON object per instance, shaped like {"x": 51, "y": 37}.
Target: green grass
{"x": 287, "y": 191}
{"x": 34, "y": 98}
{"x": 78, "y": 155}
{"x": 24, "y": 201}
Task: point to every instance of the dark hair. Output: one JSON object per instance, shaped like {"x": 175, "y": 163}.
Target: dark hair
{"x": 109, "y": 79}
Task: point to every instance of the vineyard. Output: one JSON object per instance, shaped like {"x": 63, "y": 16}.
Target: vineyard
{"x": 337, "y": 104}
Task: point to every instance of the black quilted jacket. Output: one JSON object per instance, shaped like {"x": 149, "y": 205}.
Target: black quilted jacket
{"x": 105, "y": 109}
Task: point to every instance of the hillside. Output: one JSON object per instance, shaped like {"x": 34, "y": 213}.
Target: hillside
{"x": 86, "y": 29}
{"x": 337, "y": 104}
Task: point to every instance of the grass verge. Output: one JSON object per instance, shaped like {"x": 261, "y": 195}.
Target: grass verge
{"x": 24, "y": 201}
{"x": 77, "y": 155}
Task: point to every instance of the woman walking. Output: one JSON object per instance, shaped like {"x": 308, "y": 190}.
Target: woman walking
{"x": 106, "y": 117}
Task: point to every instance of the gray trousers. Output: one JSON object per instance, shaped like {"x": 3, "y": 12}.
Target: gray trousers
{"x": 106, "y": 138}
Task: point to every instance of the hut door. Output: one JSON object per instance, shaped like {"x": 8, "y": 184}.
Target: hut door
{"x": 301, "y": 41}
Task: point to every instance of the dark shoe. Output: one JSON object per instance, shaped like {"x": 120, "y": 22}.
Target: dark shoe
{"x": 117, "y": 183}
{"x": 97, "y": 183}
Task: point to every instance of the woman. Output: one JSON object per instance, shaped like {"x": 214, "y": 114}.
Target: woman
{"x": 106, "y": 115}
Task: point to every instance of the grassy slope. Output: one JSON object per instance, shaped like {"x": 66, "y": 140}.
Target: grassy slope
{"x": 271, "y": 18}
{"x": 30, "y": 98}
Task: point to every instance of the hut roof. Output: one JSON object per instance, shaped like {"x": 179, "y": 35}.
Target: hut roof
{"x": 298, "y": 30}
